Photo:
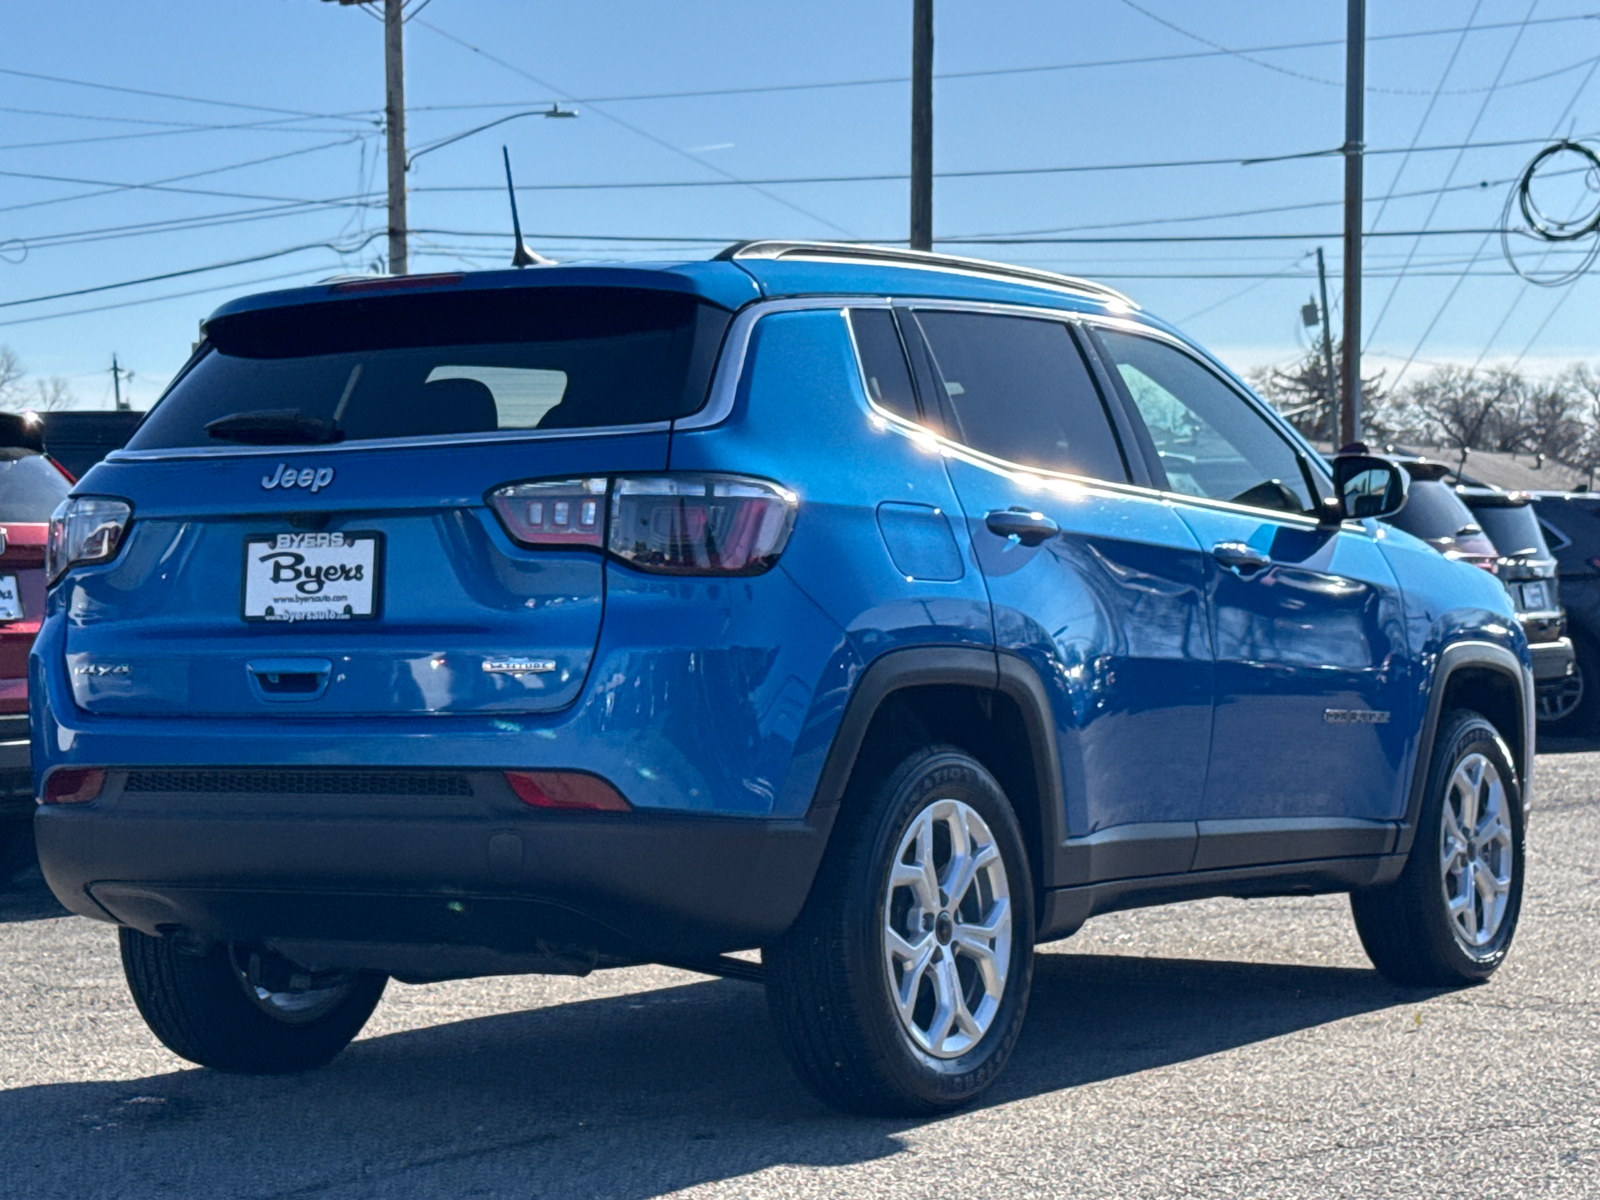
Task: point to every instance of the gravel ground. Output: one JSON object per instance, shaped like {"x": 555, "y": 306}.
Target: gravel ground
{"x": 1222, "y": 1048}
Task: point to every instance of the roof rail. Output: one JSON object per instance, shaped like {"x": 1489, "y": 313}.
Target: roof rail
{"x": 894, "y": 256}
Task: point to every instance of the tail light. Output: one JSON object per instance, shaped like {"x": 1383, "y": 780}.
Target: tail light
{"x": 73, "y": 785}
{"x": 569, "y": 513}
{"x": 572, "y": 790}
{"x": 675, "y": 524}
{"x": 84, "y": 529}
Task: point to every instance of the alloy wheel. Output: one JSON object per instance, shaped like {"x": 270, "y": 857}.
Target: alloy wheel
{"x": 947, "y": 929}
{"x": 285, "y": 992}
{"x": 1560, "y": 700}
{"x": 1475, "y": 852}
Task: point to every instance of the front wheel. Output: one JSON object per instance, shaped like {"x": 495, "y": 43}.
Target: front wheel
{"x": 245, "y": 1009}
{"x": 1449, "y": 918}
{"x": 902, "y": 986}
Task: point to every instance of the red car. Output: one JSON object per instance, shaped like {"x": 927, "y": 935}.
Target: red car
{"x": 31, "y": 485}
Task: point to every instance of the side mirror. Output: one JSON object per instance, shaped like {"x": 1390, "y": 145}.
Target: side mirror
{"x": 1367, "y": 486}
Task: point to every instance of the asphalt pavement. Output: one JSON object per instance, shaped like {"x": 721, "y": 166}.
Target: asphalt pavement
{"x": 1215, "y": 1049}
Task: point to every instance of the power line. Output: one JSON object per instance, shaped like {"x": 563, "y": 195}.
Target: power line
{"x": 133, "y": 91}
{"x": 1088, "y": 64}
{"x": 221, "y": 287}
{"x": 1247, "y": 56}
{"x": 235, "y": 262}
{"x": 110, "y": 187}
{"x": 997, "y": 173}
{"x": 1449, "y": 175}
{"x": 662, "y": 142}
{"x": 1428, "y": 112}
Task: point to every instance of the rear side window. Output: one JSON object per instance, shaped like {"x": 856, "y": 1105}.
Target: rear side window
{"x": 1018, "y": 388}
{"x": 442, "y": 364}
{"x": 1432, "y": 511}
{"x": 1512, "y": 528}
{"x": 883, "y": 361}
{"x": 30, "y": 486}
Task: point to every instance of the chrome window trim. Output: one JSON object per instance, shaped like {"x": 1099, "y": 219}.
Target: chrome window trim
{"x": 174, "y": 453}
{"x": 736, "y": 349}
{"x": 978, "y": 458}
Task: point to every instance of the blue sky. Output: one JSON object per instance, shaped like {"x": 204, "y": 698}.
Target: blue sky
{"x": 298, "y": 83}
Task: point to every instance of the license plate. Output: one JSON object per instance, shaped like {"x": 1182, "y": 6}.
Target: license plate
{"x": 311, "y": 576}
{"x": 1535, "y": 597}
{"x": 10, "y": 599}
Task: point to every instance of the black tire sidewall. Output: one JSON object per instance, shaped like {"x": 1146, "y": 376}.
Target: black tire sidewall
{"x": 954, "y": 776}
{"x": 1466, "y": 733}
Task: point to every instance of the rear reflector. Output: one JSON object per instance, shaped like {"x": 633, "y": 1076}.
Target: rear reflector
{"x": 566, "y": 789}
{"x": 73, "y": 785}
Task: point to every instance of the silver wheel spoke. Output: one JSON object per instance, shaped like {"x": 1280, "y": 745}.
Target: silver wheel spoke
{"x": 1475, "y": 848}
{"x": 926, "y": 933}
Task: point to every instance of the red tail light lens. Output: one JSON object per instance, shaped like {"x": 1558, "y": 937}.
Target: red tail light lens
{"x": 677, "y": 524}
{"x": 84, "y": 529}
{"x": 73, "y": 785}
{"x": 572, "y": 790}
{"x": 699, "y": 524}
{"x": 571, "y": 512}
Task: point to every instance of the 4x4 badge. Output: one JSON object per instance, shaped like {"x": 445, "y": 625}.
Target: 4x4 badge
{"x": 307, "y": 477}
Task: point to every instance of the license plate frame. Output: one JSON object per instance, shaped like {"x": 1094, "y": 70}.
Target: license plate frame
{"x": 10, "y": 599}
{"x": 343, "y": 598}
{"x": 1535, "y": 596}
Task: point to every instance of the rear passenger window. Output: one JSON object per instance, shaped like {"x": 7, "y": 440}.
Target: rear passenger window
{"x": 1017, "y": 388}
{"x": 883, "y": 361}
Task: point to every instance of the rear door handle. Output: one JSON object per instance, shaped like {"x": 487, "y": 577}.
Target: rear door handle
{"x": 1240, "y": 557}
{"x": 1029, "y": 528}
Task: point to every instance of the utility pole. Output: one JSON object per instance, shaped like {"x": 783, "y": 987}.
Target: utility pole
{"x": 394, "y": 119}
{"x": 1355, "y": 92}
{"x": 117, "y": 376}
{"x": 1327, "y": 342}
{"x": 921, "y": 124}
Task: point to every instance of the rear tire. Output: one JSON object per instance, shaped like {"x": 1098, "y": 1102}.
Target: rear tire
{"x": 1449, "y": 918}
{"x": 224, "y": 1009}
{"x": 890, "y": 994}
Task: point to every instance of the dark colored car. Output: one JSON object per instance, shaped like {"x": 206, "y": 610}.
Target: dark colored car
{"x": 1528, "y": 569}
{"x": 1436, "y": 514}
{"x": 31, "y": 486}
{"x": 887, "y": 613}
{"x": 1570, "y": 523}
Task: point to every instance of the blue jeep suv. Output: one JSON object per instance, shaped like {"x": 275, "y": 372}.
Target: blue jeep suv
{"x": 889, "y": 613}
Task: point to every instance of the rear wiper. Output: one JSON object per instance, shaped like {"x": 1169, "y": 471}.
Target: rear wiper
{"x": 274, "y": 427}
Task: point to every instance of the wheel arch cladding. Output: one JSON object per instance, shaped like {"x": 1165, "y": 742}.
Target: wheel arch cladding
{"x": 1490, "y": 680}
{"x": 992, "y": 706}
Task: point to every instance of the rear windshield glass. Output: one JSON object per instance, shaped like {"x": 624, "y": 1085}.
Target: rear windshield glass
{"x": 30, "y": 486}
{"x": 1514, "y": 530}
{"x": 442, "y": 364}
{"x": 1432, "y": 511}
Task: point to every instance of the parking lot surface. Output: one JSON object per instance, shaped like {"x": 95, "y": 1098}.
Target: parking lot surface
{"x": 1221, "y": 1048}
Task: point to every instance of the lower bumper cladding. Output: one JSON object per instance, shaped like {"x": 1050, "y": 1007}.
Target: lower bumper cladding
{"x": 447, "y": 874}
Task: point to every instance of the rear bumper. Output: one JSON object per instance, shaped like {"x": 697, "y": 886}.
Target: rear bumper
{"x": 16, "y": 767}
{"x": 429, "y": 886}
{"x": 1551, "y": 660}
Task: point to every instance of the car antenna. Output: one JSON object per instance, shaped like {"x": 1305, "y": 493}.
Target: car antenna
{"x": 521, "y": 256}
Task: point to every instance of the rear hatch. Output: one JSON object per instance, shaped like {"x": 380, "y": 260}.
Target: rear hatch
{"x": 310, "y": 526}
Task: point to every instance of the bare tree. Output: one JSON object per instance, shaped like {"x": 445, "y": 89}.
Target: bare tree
{"x": 1300, "y": 392}
{"x": 1453, "y": 406}
{"x": 11, "y": 374}
{"x": 49, "y": 395}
